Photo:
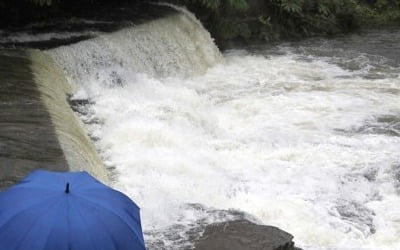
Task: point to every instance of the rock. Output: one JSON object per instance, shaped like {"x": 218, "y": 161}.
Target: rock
{"x": 244, "y": 235}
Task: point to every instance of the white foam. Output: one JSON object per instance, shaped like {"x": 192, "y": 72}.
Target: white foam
{"x": 262, "y": 135}
{"x": 277, "y": 137}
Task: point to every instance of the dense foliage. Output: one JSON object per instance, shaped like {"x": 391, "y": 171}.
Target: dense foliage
{"x": 277, "y": 19}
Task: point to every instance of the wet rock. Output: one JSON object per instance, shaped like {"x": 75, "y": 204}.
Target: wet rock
{"x": 244, "y": 235}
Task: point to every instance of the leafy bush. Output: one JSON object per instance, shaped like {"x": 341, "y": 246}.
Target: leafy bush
{"x": 277, "y": 19}
{"x": 42, "y": 2}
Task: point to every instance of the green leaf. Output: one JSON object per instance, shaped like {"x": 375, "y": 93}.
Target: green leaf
{"x": 239, "y": 4}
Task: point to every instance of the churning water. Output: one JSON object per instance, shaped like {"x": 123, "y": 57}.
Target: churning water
{"x": 303, "y": 136}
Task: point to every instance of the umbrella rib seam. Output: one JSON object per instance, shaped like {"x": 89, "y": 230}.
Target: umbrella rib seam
{"x": 36, "y": 220}
{"x": 25, "y": 209}
{"x": 110, "y": 211}
{"x": 84, "y": 221}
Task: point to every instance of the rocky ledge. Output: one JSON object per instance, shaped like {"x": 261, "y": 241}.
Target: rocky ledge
{"x": 244, "y": 235}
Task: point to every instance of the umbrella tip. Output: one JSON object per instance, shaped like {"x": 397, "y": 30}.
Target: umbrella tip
{"x": 67, "y": 188}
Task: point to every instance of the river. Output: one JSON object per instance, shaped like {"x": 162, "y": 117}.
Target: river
{"x": 300, "y": 135}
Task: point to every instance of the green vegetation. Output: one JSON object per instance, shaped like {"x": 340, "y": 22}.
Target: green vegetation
{"x": 271, "y": 20}
{"x": 42, "y": 2}
{"x": 378, "y": 13}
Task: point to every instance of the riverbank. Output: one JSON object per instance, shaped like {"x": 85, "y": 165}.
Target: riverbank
{"x": 231, "y": 22}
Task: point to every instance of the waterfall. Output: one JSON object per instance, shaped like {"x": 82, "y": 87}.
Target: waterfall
{"x": 176, "y": 45}
{"x": 303, "y": 136}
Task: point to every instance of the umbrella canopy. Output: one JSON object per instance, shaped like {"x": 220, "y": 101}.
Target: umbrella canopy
{"x": 71, "y": 211}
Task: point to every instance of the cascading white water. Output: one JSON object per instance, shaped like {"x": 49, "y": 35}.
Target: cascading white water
{"x": 174, "y": 45}
{"x": 302, "y": 137}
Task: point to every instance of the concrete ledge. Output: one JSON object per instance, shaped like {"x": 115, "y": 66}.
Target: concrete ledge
{"x": 37, "y": 127}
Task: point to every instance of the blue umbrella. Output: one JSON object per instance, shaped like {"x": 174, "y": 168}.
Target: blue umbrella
{"x": 67, "y": 211}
